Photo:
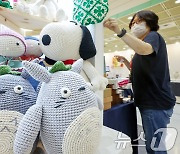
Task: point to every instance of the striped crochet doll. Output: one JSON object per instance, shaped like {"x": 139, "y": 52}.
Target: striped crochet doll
{"x": 67, "y": 112}
{"x": 16, "y": 96}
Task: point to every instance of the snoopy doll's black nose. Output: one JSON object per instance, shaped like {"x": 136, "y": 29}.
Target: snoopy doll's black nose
{"x": 46, "y": 40}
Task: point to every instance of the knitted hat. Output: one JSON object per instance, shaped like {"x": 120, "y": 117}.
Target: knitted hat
{"x": 9, "y": 32}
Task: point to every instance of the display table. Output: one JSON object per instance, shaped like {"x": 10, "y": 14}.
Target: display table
{"x": 109, "y": 143}
{"x": 122, "y": 117}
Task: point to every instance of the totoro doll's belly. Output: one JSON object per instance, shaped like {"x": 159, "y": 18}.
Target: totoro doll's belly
{"x": 54, "y": 125}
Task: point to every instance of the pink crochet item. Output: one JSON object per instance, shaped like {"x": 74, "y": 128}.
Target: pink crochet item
{"x": 9, "y": 32}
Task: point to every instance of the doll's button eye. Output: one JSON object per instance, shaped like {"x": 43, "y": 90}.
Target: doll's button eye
{"x": 46, "y": 40}
{"x": 18, "y": 89}
{"x": 65, "y": 92}
{"x": 17, "y": 44}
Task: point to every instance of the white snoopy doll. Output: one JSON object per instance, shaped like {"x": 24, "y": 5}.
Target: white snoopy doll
{"x": 67, "y": 41}
{"x": 67, "y": 113}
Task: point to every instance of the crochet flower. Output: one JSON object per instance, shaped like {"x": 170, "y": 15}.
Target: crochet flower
{"x": 99, "y": 11}
{"x": 88, "y": 3}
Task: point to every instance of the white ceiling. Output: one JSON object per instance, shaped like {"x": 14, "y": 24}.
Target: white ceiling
{"x": 117, "y": 6}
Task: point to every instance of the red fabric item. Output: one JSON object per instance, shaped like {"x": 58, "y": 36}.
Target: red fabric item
{"x": 69, "y": 61}
{"x": 28, "y": 58}
{"x": 122, "y": 83}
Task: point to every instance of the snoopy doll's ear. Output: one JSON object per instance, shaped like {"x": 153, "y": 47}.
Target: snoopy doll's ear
{"x": 87, "y": 48}
{"x": 61, "y": 15}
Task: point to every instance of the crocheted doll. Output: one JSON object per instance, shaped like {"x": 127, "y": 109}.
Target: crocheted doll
{"x": 67, "y": 41}
{"x": 33, "y": 50}
{"x": 16, "y": 96}
{"x": 48, "y": 9}
{"x": 67, "y": 112}
{"x": 12, "y": 45}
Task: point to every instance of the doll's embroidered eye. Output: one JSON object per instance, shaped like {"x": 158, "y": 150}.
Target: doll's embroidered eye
{"x": 18, "y": 89}
{"x": 38, "y": 43}
{"x": 82, "y": 88}
{"x": 65, "y": 92}
{"x": 2, "y": 92}
{"x": 17, "y": 44}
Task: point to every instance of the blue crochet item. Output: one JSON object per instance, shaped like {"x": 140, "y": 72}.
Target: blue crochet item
{"x": 16, "y": 96}
{"x": 34, "y": 82}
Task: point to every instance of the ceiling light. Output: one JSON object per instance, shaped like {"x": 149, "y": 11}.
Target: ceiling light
{"x": 115, "y": 46}
{"x": 106, "y": 43}
{"x": 177, "y": 1}
{"x": 130, "y": 17}
{"x": 109, "y": 50}
{"x": 124, "y": 48}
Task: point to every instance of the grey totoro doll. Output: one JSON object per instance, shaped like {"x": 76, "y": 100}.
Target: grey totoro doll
{"x": 67, "y": 113}
{"x": 16, "y": 96}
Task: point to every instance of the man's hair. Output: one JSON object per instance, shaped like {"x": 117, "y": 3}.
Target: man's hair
{"x": 149, "y": 17}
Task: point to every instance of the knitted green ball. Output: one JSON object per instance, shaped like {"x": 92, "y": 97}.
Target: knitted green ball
{"x": 5, "y": 69}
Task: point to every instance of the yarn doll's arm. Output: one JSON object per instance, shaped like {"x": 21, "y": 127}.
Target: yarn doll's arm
{"x": 28, "y": 130}
{"x": 99, "y": 82}
{"x": 99, "y": 103}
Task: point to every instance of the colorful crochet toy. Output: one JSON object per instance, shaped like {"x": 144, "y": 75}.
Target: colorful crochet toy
{"x": 67, "y": 112}
{"x": 12, "y": 45}
{"x": 16, "y": 96}
{"x": 67, "y": 41}
{"x": 33, "y": 50}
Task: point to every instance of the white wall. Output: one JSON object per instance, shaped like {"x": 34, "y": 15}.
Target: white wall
{"x": 174, "y": 60}
{"x": 121, "y": 71}
{"x": 173, "y": 56}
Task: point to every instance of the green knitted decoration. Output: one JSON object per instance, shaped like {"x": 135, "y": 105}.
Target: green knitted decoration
{"x": 88, "y": 12}
{"x": 5, "y": 69}
{"x": 59, "y": 66}
{"x": 5, "y": 4}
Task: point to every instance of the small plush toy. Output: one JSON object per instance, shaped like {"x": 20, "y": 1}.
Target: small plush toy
{"x": 12, "y": 45}
{"x": 33, "y": 50}
{"x": 16, "y": 96}
{"x": 67, "y": 112}
{"x": 47, "y": 9}
{"x": 67, "y": 41}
